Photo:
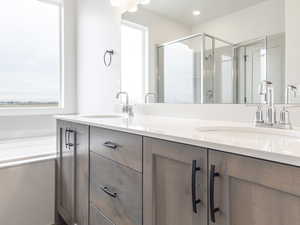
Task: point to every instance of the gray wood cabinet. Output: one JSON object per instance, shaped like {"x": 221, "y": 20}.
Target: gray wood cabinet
{"x": 249, "y": 191}
{"x": 116, "y": 190}
{"x": 116, "y": 175}
{"x": 121, "y": 147}
{"x": 174, "y": 184}
{"x": 125, "y": 179}
{"x": 72, "y": 173}
{"x": 97, "y": 218}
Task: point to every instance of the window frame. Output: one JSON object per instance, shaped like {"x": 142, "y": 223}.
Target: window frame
{"x": 145, "y": 78}
{"x": 45, "y": 108}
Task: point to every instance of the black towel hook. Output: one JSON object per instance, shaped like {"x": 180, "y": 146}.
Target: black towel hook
{"x": 110, "y": 53}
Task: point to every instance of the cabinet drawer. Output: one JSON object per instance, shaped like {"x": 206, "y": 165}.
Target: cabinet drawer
{"x": 97, "y": 218}
{"x": 116, "y": 191}
{"x": 121, "y": 147}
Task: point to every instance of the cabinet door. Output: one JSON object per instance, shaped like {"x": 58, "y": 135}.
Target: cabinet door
{"x": 82, "y": 173}
{"x": 172, "y": 195}
{"x": 73, "y": 173}
{"x": 97, "y": 218}
{"x": 249, "y": 191}
{"x": 66, "y": 167}
{"x": 116, "y": 191}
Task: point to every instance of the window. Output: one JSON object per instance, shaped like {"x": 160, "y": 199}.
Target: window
{"x": 134, "y": 60}
{"x": 30, "y": 53}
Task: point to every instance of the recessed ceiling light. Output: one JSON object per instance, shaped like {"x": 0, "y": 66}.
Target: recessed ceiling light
{"x": 196, "y": 13}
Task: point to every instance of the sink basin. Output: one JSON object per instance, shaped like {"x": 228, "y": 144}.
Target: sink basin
{"x": 101, "y": 116}
{"x": 249, "y": 132}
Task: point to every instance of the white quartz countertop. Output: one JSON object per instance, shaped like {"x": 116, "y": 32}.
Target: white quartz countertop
{"x": 274, "y": 145}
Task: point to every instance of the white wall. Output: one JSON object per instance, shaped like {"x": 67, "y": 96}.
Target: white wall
{"x": 259, "y": 20}
{"x": 98, "y": 29}
{"x": 27, "y": 194}
{"x": 161, "y": 30}
{"x": 292, "y": 9}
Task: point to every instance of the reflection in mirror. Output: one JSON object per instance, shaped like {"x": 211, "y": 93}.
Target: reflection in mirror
{"x": 210, "y": 51}
{"x": 187, "y": 68}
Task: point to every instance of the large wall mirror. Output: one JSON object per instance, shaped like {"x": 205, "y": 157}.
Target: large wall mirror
{"x": 204, "y": 51}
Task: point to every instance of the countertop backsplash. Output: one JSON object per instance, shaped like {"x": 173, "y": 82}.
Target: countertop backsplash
{"x": 220, "y": 112}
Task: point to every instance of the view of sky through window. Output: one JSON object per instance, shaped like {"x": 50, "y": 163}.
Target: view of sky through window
{"x": 29, "y": 52}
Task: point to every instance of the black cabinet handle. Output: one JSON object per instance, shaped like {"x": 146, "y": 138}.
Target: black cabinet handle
{"x": 109, "y": 192}
{"x": 195, "y": 201}
{"x": 213, "y": 210}
{"x": 111, "y": 145}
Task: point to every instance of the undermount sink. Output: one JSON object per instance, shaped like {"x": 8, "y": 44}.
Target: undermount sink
{"x": 248, "y": 132}
{"x": 101, "y": 116}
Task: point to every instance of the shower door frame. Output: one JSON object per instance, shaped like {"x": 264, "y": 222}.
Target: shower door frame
{"x": 160, "y": 77}
{"x": 244, "y": 45}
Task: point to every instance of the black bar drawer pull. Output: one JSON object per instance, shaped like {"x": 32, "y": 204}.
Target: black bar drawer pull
{"x": 195, "y": 201}
{"x": 111, "y": 145}
{"x": 109, "y": 192}
{"x": 213, "y": 210}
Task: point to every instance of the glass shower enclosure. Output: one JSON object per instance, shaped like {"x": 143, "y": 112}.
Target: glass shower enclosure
{"x": 196, "y": 69}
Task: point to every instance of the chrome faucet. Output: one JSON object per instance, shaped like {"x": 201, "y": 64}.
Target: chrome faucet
{"x": 148, "y": 95}
{"x": 285, "y": 121}
{"x": 266, "y": 90}
{"x": 126, "y": 108}
{"x": 271, "y": 111}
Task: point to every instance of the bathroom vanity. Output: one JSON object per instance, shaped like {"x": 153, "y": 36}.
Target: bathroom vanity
{"x": 144, "y": 171}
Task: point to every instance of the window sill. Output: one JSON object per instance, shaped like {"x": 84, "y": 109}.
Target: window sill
{"x": 21, "y": 151}
{"x": 27, "y": 111}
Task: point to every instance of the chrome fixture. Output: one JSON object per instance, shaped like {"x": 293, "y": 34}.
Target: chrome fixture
{"x": 285, "y": 121}
{"x": 266, "y": 90}
{"x": 148, "y": 95}
{"x": 291, "y": 89}
{"x": 259, "y": 117}
{"x": 126, "y": 108}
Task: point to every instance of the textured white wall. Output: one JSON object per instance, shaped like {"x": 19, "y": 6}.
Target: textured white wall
{"x": 27, "y": 194}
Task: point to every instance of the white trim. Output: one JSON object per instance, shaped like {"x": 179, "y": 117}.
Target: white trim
{"x": 25, "y": 111}
{"x": 61, "y": 57}
{"x": 17, "y": 163}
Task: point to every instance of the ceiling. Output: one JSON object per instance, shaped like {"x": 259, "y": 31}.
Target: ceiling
{"x": 181, "y": 10}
